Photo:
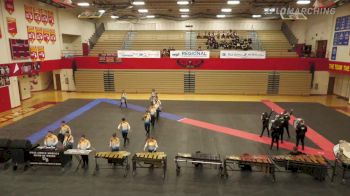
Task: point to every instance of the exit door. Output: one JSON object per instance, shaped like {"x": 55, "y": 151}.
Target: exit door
{"x": 321, "y": 48}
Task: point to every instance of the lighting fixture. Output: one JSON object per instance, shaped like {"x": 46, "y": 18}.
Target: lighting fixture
{"x": 83, "y": 4}
{"x": 143, "y": 10}
{"x": 184, "y": 10}
{"x": 102, "y": 11}
{"x": 138, "y": 3}
{"x": 256, "y": 16}
{"x": 185, "y": 16}
{"x": 220, "y": 16}
{"x": 150, "y": 16}
{"x": 114, "y": 17}
{"x": 303, "y": 2}
{"x": 183, "y": 2}
{"x": 234, "y": 2}
{"x": 226, "y": 10}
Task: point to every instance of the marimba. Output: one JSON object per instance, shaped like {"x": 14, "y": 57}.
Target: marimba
{"x": 314, "y": 165}
{"x": 116, "y": 159}
{"x": 342, "y": 155}
{"x": 254, "y": 163}
{"x": 149, "y": 160}
{"x": 47, "y": 156}
{"x": 77, "y": 153}
{"x": 198, "y": 159}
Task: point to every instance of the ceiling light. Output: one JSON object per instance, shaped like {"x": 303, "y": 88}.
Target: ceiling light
{"x": 143, "y": 10}
{"x": 234, "y": 2}
{"x": 114, "y": 17}
{"x": 138, "y": 3}
{"x": 220, "y": 16}
{"x": 303, "y": 2}
{"x": 83, "y": 4}
{"x": 185, "y": 16}
{"x": 150, "y": 16}
{"x": 184, "y": 10}
{"x": 256, "y": 16}
{"x": 182, "y": 2}
{"x": 226, "y": 10}
{"x": 102, "y": 11}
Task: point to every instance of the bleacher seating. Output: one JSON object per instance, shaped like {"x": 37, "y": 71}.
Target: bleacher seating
{"x": 157, "y": 40}
{"x": 109, "y": 42}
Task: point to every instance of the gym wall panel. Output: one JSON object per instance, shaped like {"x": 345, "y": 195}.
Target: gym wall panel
{"x": 295, "y": 83}
{"x": 5, "y": 102}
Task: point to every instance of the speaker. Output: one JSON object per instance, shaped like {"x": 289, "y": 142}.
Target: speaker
{"x": 21, "y": 144}
{"x": 4, "y": 143}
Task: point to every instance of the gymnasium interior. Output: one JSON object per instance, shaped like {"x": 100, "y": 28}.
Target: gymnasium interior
{"x": 174, "y": 97}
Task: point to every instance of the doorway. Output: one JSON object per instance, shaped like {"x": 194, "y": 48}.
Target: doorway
{"x": 58, "y": 82}
{"x": 321, "y": 48}
{"x": 331, "y": 85}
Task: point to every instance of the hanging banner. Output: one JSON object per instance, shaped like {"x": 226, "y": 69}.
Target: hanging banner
{"x": 188, "y": 54}
{"x": 50, "y": 18}
{"x": 53, "y": 35}
{"x": 39, "y": 34}
{"x": 12, "y": 26}
{"x": 37, "y": 15}
{"x": 46, "y": 35}
{"x": 138, "y": 53}
{"x": 28, "y": 12}
{"x": 334, "y": 53}
{"x": 9, "y": 6}
{"x": 41, "y": 52}
{"x": 31, "y": 33}
{"x": 33, "y": 53}
{"x": 0, "y": 33}
{"x": 242, "y": 54}
{"x": 44, "y": 18}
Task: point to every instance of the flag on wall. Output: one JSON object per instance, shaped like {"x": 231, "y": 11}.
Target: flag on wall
{"x": 39, "y": 34}
{"x": 37, "y": 15}
{"x": 31, "y": 33}
{"x": 9, "y": 6}
{"x": 325, "y": 3}
{"x": 46, "y": 35}
{"x": 50, "y": 18}
{"x": 33, "y": 53}
{"x": 12, "y": 26}
{"x": 41, "y": 52}
{"x": 28, "y": 10}
{"x": 44, "y": 18}
{"x": 53, "y": 35}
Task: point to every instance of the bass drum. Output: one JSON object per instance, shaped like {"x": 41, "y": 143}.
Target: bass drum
{"x": 296, "y": 122}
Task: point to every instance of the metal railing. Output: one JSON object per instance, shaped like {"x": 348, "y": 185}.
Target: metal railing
{"x": 289, "y": 34}
{"x": 98, "y": 32}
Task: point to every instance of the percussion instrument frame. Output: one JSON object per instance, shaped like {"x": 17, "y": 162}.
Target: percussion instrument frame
{"x": 143, "y": 162}
{"x": 116, "y": 163}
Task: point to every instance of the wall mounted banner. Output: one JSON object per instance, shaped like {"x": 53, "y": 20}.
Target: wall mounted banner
{"x": 341, "y": 38}
{"x": 39, "y": 34}
{"x": 334, "y": 53}
{"x": 52, "y": 35}
{"x": 37, "y": 15}
{"x": 31, "y": 33}
{"x": 9, "y": 6}
{"x": 28, "y": 10}
{"x": 190, "y": 54}
{"x": 41, "y": 52}
{"x": 33, "y": 53}
{"x": 44, "y": 18}
{"x": 340, "y": 67}
{"x": 342, "y": 23}
{"x": 50, "y": 18}
{"x": 46, "y": 35}
{"x": 242, "y": 54}
{"x": 138, "y": 53}
{"x": 12, "y": 26}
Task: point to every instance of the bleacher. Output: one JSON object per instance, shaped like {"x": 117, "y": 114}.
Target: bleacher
{"x": 109, "y": 42}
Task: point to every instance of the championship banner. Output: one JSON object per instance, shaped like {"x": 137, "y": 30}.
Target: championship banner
{"x": 340, "y": 67}
{"x": 138, "y": 53}
{"x": 190, "y": 54}
{"x": 50, "y": 18}
{"x": 31, "y": 33}
{"x": 9, "y": 6}
{"x": 33, "y": 53}
{"x": 37, "y": 15}
{"x": 46, "y": 35}
{"x": 52, "y": 35}
{"x": 44, "y": 18}
{"x": 242, "y": 54}
{"x": 41, "y": 52}
{"x": 12, "y": 26}
{"x": 28, "y": 12}
{"x": 39, "y": 34}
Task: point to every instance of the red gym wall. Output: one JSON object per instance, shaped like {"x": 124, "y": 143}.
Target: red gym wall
{"x": 5, "y": 102}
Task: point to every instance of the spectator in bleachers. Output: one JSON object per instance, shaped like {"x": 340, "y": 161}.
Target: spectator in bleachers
{"x": 226, "y": 40}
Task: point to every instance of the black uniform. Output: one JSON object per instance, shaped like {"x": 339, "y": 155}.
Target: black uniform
{"x": 265, "y": 118}
{"x": 281, "y": 122}
{"x": 286, "y": 117}
{"x": 300, "y": 134}
{"x": 275, "y": 133}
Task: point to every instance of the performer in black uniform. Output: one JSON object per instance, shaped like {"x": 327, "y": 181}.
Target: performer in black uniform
{"x": 281, "y": 121}
{"x": 286, "y": 115}
{"x": 275, "y": 133}
{"x": 265, "y": 118}
{"x": 300, "y": 132}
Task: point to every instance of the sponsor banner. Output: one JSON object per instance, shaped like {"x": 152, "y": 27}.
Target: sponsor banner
{"x": 9, "y": 6}
{"x": 37, "y": 15}
{"x": 28, "y": 10}
{"x": 341, "y": 67}
{"x": 41, "y": 52}
{"x": 52, "y": 35}
{"x": 33, "y": 53}
{"x": 39, "y": 34}
{"x": 242, "y": 54}
{"x": 190, "y": 54}
{"x": 138, "y": 53}
{"x": 31, "y": 33}
{"x": 12, "y": 26}
{"x": 46, "y": 35}
{"x": 44, "y": 18}
{"x": 50, "y": 18}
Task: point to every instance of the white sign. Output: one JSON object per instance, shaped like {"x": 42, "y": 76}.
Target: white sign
{"x": 194, "y": 54}
{"x": 138, "y": 54}
{"x": 242, "y": 54}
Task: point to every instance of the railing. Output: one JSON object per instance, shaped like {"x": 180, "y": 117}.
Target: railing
{"x": 68, "y": 53}
{"x": 256, "y": 44}
{"x": 289, "y": 34}
{"x": 99, "y": 31}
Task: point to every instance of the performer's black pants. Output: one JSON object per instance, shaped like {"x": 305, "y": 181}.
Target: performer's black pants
{"x": 263, "y": 130}
{"x": 85, "y": 159}
{"x": 274, "y": 140}
{"x": 300, "y": 138}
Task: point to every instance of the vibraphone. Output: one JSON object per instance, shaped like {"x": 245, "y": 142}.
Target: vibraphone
{"x": 77, "y": 153}
{"x": 149, "y": 160}
{"x": 314, "y": 165}
{"x": 198, "y": 159}
{"x": 342, "y": 161}
{"x": 116, "y": 159}
{"x": 47, "y": 156}
{"x": 254, "y": 163}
